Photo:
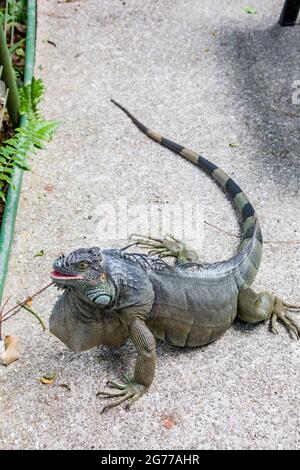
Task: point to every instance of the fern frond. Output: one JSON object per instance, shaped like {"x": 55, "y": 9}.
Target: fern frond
{"x": 28, "y": 138}
{"x": 30, "y": 96}
{"x": 37, "y": 93}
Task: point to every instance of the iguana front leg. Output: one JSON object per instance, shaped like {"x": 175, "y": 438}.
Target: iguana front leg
{"x": 168, "y": 246}
{"x": 253, "y": 308}
{"x": 131, "y": 391}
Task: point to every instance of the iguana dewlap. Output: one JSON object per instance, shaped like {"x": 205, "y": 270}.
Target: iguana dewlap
{"x": 112, "y": 294}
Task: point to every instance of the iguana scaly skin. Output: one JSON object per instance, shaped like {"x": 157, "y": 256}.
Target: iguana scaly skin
{"x": 112, "y": 294}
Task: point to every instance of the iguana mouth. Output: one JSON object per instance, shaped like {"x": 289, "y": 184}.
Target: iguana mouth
{"x": 57, "y": 275}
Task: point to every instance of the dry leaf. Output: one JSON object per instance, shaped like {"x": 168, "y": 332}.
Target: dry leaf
{"x": 66, "y": 386}
{"x": 39, "y": 253}
{"x": 48, "y": 379}
{"x": 2, "y": 348}
{"x": 28, "y": 302}
{"x": 11, "y": 351}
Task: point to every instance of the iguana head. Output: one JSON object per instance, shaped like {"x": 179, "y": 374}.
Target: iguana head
{"x": 82, "y": 271}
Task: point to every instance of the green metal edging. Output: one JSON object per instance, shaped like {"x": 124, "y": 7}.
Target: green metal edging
{"x": 13, "y": 195}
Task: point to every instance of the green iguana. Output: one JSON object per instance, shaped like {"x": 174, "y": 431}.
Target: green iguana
{"x": 112, "y": 294}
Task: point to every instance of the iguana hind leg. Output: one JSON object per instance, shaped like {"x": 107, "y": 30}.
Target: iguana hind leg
{"x": 255, "y": 307}
{"x": 168, "y": 246}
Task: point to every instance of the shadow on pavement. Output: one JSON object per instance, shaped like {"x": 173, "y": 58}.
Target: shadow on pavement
{"x": 262, "y": 66}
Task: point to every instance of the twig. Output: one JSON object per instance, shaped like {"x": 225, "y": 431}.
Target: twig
{"x": 18, "y": 307}
{"x": 9, "y": 316}
{"x": 1, "y": 313}
{"x": 2, "y": 308}
{"x": 69, "y": 1}
{"x": 221, "y": 230}
{"x": 51, "y": 42}
{"x": 284, "y": 242}
{"x": 34, "y": 314}
{"x": 62, "y": 17}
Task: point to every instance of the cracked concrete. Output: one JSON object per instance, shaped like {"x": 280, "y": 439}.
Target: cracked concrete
{"x": 207, "y": 75}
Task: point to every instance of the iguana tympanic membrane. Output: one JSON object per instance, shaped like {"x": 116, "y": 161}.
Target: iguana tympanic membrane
{"x": 112, "y": 294}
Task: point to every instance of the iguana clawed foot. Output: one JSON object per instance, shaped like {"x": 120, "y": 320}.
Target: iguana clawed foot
{"x": 280, "y": 313}
{"x": 168, "y": 246}
{"x": 255, "y": 307}
{"x": 129, "y": 392}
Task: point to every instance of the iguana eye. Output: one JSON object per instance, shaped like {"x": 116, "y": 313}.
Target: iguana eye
{"x": 83, "y": 265}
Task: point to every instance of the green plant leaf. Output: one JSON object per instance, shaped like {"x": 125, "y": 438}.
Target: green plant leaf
{"x": 32, "y": 136}
{"x": 16, "y": 45}
{"x": 5, "y": 178}
{"x": 6, "y": 169}
{"x": 20, "y": 52}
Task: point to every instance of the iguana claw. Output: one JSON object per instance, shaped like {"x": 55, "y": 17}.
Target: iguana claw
{"x": 255, "y": 307}
{"x": 129, "y": 392}
{"x": 280, "y": 313}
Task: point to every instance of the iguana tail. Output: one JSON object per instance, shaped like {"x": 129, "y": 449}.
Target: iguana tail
{"x": 246, "y": 261}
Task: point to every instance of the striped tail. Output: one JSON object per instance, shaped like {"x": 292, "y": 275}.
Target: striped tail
{"x": 246, "y": 261}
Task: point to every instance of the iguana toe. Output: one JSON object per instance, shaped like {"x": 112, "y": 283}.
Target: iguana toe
{"x": 255, "y": 307}
{"x": 113, "y": 384}
{"x": 168, "y": 246}
{"x": 280, "y": 313}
